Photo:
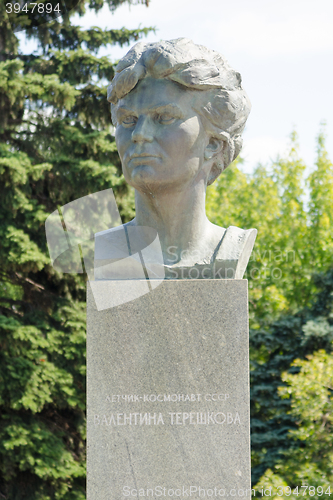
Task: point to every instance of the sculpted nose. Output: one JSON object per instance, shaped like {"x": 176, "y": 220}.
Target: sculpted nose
{"x": 143, "y": 130}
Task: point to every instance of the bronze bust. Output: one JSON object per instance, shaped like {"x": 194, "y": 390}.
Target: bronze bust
{"x": 179, "y": 110}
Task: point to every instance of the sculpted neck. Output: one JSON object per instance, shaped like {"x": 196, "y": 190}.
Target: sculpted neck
{"x": 185, "y": 233}
{"x": 180, "y": 221}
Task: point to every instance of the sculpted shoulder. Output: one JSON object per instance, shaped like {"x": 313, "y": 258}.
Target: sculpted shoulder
{"x": 235, "y": 248}
{"x": 116, "y": 255}
{"x": 228, "y": 261}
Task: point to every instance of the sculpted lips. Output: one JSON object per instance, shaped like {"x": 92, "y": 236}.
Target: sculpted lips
{"x": 143, "y": 158}
{"x": 144, "y": 155}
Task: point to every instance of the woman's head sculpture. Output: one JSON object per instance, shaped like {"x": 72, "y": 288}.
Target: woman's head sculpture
{"x": 218, "y": 96}
{"x": 179, "y": 110}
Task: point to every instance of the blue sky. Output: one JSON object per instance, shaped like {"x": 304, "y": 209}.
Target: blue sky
{"x": 282, "y": 48}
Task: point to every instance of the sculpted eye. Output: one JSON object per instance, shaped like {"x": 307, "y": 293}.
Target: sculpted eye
{"x": 166, "y": 118}
{"x": 129, "y": 121}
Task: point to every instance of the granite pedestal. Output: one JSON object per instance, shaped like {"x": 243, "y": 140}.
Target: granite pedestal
{"x": 168, "y": 393}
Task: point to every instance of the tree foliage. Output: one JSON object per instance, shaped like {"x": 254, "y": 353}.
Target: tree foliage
{"x": 55, "y": 146}
{"x": 284, "y": 436}
{"x": 309, "y": 462}
{"x": 293, "y": 214}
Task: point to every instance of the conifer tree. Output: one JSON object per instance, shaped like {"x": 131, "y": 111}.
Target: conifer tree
{"x": 292, "y": 402}
{"x": 55, "y": 146}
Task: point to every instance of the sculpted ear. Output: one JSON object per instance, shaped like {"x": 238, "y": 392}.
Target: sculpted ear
{"x": 213, "y": 148}
{"x": 216, "y": 150}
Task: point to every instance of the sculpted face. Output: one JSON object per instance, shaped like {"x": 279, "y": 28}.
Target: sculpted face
{"x": 160, "y": 138}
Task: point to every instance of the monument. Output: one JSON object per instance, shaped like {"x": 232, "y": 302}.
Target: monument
{"x": 168, "y": 372}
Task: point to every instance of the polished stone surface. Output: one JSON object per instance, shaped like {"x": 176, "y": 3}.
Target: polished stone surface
{"x": 168, "y": 392}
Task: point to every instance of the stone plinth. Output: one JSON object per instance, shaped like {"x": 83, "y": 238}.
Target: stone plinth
{"x": 168, "y": 393}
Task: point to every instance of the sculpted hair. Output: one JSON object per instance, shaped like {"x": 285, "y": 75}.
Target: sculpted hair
{"x": 220, "y": 99}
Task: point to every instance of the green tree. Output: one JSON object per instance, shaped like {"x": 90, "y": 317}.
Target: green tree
{"x": 55, "y": 146}
{"x": 321, "y": 210}
{"x": 275, "y": 419}
{"x": 311, "y": 404}
{"x": 294, "y": 242}
{"x": 308, "y": 389}
{"x": 294, "y": 239}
